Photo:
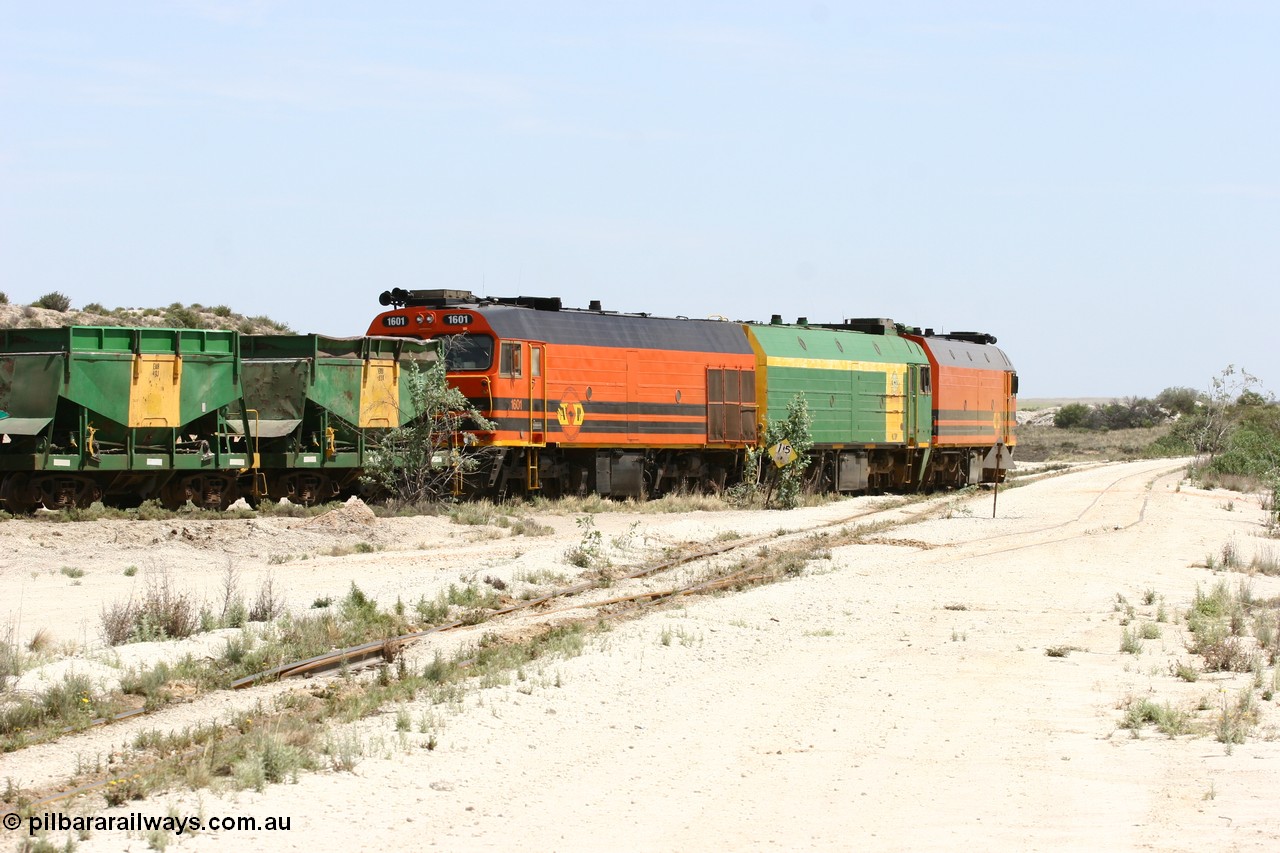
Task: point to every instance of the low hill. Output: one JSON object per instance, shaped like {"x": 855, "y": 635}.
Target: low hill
{"x": 177, "y": 315}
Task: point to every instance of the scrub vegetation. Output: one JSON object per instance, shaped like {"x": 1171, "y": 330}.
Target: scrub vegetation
{"x": 56, "y": 309}
{"x": 1233, "y": 429}
{"x": 422, "y": 461}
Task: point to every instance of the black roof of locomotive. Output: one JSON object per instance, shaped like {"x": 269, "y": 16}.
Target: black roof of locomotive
{"x": 626, "y": 331}
{"x": 540, "y": 318}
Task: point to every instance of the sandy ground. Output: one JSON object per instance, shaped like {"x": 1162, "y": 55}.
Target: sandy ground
{"x": 896, "y": 696}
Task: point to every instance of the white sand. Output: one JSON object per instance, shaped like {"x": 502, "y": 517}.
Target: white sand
{"x": 857, "y": 707}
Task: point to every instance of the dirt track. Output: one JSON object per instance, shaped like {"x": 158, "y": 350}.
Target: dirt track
{"x": 894, "y": 697}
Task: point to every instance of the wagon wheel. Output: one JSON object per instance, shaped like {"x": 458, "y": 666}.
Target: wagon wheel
{"x": 207, "y": 491}
{"x": 16, "y": 495}
{"x": 306, "y": 488}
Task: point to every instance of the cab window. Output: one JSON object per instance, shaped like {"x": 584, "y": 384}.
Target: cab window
{"x": 509, "y": 360}
{"x": 467, "y": 352}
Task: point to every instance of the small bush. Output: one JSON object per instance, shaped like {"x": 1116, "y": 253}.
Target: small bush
{"x": 12, "y": 660}
{"x": 1071, "y": 416}
{"x": 268, "y": 604}
{"x": 54, "y": 301}
{"x": 1266, "y": 562}
{"x": 1166, "y": 718}
{"x": 183, "y": 318}
{"x": 590, "y": 548}
{"x": 120, "y": 791}
{"x": 529, "y": 527}
{"x": 480, "y": 512}
{"x": 162, "y": 613}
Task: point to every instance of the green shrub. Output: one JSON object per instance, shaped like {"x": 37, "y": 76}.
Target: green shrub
{"x": 183, "y": 318}
{"x": 1131, "y": 413}
{"x": 1179, "y": 401}
{"x": 783, "y": 484}
{"x": 1072, "y": 416}
{"x": 417, "y": 462}
{"x": 54, "y": 301}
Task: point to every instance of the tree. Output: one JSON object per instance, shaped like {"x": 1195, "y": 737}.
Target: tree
{"x": 55, "y": 301}
{"x": 1226, "y": 388}
{"x": 1179, "y": 400}
{"x": 423, "y": 459}
{"x": 1071, "y": 416}
{"x": 785, "y": 482}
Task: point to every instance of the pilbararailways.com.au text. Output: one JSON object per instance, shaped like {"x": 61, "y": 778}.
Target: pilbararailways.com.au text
{"x": 138, "y": 822}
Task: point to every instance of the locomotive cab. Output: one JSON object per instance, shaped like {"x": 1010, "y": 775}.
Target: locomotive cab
{"x": 501, "y": 377}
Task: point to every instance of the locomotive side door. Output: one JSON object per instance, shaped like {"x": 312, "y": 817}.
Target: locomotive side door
{"x": 1010, "y": 404}
{"x": 537, "y": 394}
{"x": 912, "y": 391}
{"x": 524, "y": 384}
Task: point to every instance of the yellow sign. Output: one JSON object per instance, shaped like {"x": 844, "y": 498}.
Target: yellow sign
{"x": 570, "y": 414}
{"x": 782, "y": 454}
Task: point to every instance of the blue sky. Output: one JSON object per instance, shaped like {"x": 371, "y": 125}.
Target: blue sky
{"x": 1097, "y": 184}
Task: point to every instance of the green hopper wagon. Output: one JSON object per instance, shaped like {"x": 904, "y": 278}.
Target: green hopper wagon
{"x": 313, "y": 404}
{"x": 91, "y": 413}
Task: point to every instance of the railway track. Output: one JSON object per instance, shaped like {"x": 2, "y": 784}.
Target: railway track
{"x": 1150, "y": 479}
{"x": 387, "y": 650}
{"x": 583, "y": 596}
{"x": 510, "y": 616}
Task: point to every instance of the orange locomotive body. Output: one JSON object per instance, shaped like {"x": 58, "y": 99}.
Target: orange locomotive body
{"x": 590, "y": 401}
{"x": 974, "y": 407}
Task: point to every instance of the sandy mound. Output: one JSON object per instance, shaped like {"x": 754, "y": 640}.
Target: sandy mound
{"x": 352, "y": 516}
